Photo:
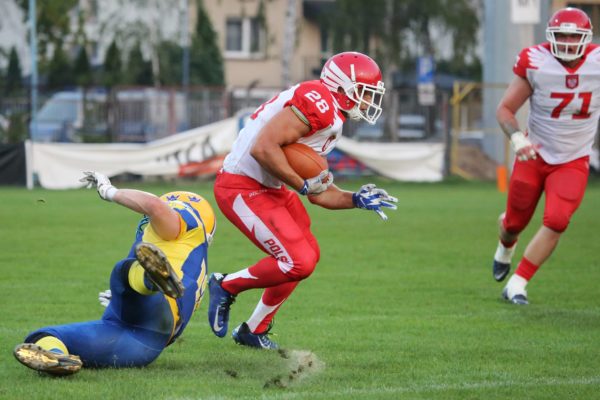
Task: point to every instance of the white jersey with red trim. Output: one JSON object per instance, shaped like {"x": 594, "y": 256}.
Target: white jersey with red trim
{"x": 565, "y": 104}
{"x": 313, "y": 103}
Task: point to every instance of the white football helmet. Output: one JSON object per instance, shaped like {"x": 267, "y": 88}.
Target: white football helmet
{"x": 569, "y": 21}
{"x": 359, "y": 77}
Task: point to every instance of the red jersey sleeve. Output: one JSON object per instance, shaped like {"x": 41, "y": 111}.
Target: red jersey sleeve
{"x": 522, "y": 64}
{"x": 315, "y": 103}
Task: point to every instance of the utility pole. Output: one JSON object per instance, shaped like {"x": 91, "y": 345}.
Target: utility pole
{"x": 33, "y": 87}
{"x": 289, "y": 39}
{"x": 185, "y": 62}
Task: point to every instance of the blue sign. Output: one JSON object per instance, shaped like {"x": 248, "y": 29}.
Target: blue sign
{"x": 425, "y": 69}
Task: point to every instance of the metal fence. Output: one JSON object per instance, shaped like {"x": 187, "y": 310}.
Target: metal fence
{"x": 122, "y": 114}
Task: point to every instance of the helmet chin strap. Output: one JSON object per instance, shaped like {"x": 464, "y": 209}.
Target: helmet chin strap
{"x": 355, "y": 114}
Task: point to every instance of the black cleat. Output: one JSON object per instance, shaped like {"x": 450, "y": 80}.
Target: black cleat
{"x": 519, "y": 298}
{"x": 159, "y": 270}
{"x": 33, "y": 356}
{"x": 500, "y": 270}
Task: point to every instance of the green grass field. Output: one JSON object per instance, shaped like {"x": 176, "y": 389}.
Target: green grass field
{"x": 404, "y": 309}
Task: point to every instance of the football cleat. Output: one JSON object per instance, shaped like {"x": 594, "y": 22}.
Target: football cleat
{"x": 159, "y": 270}
{"x": 500, "y": 270}
{"x": 518, "y": 298}
{"x": 243, "y": 336}
{"x": 33, "y": 356}
{"x": 219, "y": 304}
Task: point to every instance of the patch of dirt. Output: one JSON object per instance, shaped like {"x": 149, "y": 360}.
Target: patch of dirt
{"x": 300, "y": 365}
{"x": 476, "y": 163}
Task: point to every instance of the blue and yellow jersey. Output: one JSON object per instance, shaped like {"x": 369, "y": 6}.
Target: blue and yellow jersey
{"x": 187, "y": 255}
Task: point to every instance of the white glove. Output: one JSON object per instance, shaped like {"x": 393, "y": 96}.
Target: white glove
{"x": 370, "y": 197}
{"x": 100, "y": 181}
{"x": 318, "y": 184}
{"x": 105, "y": 297}
{"x": 523, "y": 148}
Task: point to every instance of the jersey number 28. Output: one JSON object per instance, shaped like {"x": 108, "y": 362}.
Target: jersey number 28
{"x": 316, "y": 98}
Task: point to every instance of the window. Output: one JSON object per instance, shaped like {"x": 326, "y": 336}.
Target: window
{"x": 245, "y": 38}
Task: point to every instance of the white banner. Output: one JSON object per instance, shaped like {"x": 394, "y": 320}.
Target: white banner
{"x": 59, "y": 165}
{"x": 421, "y": 162}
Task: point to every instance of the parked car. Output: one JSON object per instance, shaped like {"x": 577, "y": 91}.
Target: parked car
{"x": 137, "y": 115}
{"x": 61, "y": 116}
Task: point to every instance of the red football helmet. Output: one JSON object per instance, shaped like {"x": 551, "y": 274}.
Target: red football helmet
{"x": 569, "y": 21}
{"x": 360, "y": 79}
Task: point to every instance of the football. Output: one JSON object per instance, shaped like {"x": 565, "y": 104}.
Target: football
{"x": 305, "y": 161}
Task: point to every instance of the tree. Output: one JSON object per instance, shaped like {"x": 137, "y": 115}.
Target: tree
{"x": 112, "y": 73}
{"x": 59, "y": 70}
{"x": 13, "y": 72}
{"x": 82, "y": 69}
{"x": 407, "y": 30}
{"x": 139, "y": 70}
{"x": 206, "y": 61}
{"x": 53, "y": 23}
{"x": 170, "y": 55}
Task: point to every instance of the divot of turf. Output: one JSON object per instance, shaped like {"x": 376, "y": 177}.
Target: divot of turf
{"x": 301, "y": 364}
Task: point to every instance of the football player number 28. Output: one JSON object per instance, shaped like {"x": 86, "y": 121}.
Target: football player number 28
{"x": 566, "y": 98}
{"x": 316, "y": 98}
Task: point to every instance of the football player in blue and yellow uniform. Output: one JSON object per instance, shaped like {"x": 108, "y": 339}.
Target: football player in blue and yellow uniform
{"x": 153, "y": 291}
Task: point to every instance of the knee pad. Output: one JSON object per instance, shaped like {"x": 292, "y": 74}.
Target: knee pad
{"x": 304, "y": 265}
{"x": 557, "y": 221}
{"x": 522, "y": 200}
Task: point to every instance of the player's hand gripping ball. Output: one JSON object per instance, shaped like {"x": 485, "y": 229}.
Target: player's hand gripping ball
{"x": 310, "y": 166}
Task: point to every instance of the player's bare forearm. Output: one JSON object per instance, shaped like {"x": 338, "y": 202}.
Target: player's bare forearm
{"x": 333, "y": 198}
{"x": 163, "y": 219}
{"x": 508, "y": 123}
{"x": 515, "y": 96}
{"x": 273, "y": 160}
{"x": 284, "y": 128}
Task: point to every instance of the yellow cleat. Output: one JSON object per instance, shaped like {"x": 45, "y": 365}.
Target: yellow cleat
{"x": 33, "y": 356}
{"x": 160, "y": 272}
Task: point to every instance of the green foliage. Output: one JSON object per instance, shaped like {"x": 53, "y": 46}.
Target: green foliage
{"x": 206, "y": 61}
{"x": 59, "y": 71}
{"x": 17, "y": 129}
{"x": 170, "y": 55}
{"x": 112, "y": 73}
{"x": 82, "y": 69}
{"x": 403, "y": 309}
{"x": 52, "y": 22}
{"x": 383, "y": 28}
{"x": 13, "y": 81}
{"x": 139, "y": 71}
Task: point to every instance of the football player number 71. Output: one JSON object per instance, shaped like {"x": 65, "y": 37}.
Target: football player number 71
{"x": 316, "y": 98}
{"x": 566, "y": 98}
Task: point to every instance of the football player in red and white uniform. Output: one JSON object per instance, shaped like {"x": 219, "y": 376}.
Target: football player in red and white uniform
{"x": 251, "y": 188}
{"x": 561, "y": 80}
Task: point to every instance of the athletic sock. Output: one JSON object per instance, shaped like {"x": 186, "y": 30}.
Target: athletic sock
{"x": 526, "y": 269}
{"x": 52, "y": 344}
{"x": 138, "y": 280}
{"x": 504, "y": 253}
{"x": 516, "y": 285}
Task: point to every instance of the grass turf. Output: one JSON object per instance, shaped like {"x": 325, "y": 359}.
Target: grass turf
{"x": 402, "y": 309}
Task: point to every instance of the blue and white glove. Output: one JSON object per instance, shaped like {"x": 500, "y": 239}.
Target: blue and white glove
{"x": 370, "y": 197}
{"x": 318, "y": 184}
{"x": 105, "y": 189}
{"x": 105, "y": 297}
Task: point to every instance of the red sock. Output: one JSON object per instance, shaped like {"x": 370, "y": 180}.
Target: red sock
{"x": 526, "y": 269}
